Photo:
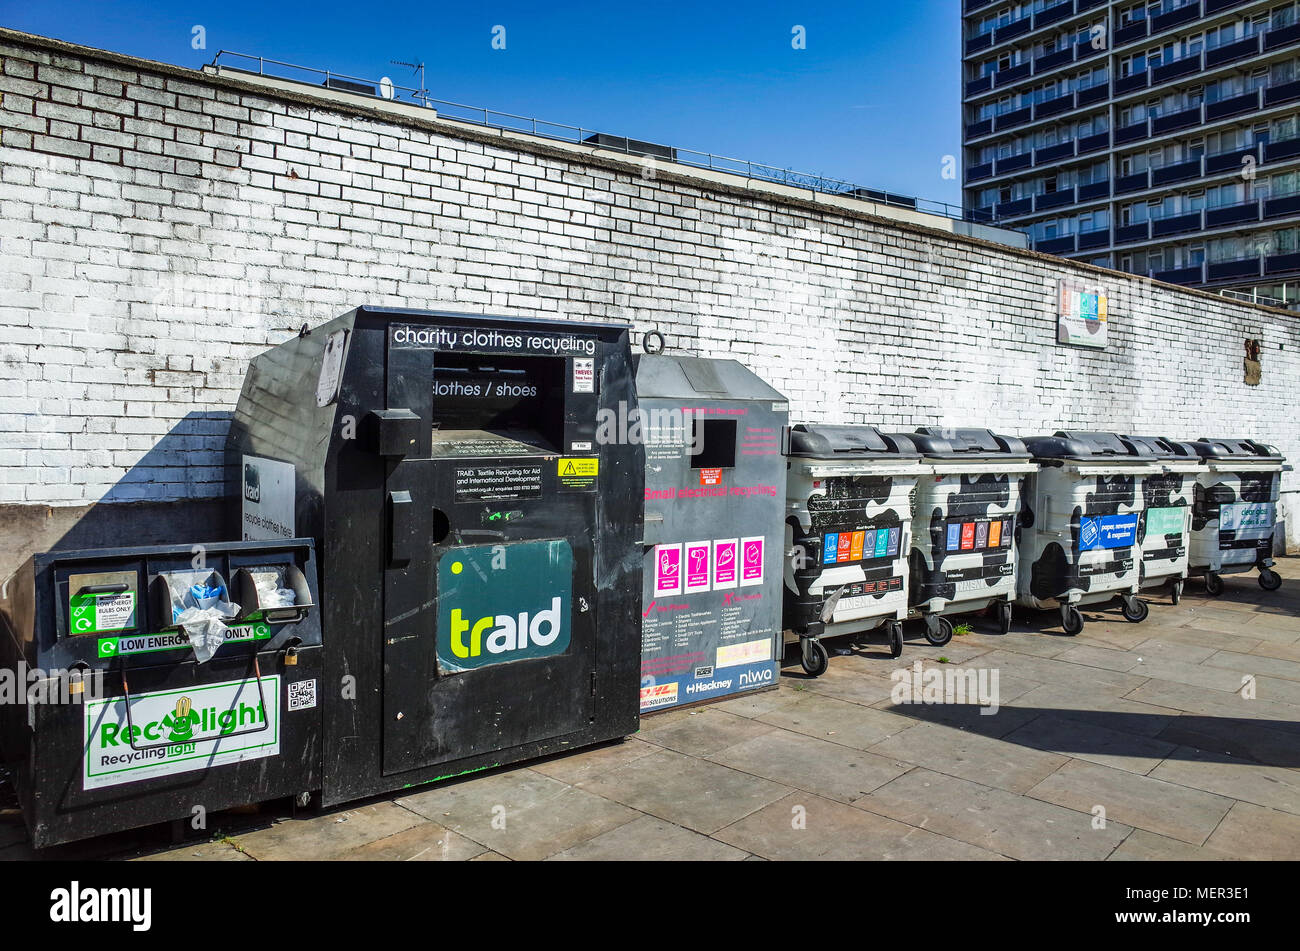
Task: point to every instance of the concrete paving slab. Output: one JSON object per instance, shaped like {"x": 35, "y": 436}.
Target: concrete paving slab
{"x": 971, "y": 756}
{"x": 1188, "y": 815}
{"x": 839, "y": 721}
{"x": 843, "y": 683}
{"x": 424, "y": 842}
{"x": 523, "y": 815}
{"x": 1270, "y": 786}
{"x": 1095, "y": 744}
{"x": 1233, "y": 739}
{"x": 577, "y": 768}
{"x": 803, "y": 827}
{"x": 1079, "y": 701}
{"x": 705, "y": 731}
{"x": 1257, "y": 664}
{"x": 327, "y": 835}
{"x": 1255, "y": 833}
{"x": 969, "y": 717}
{"x": 802, "y": 762}
{"x": 1281, "y": 651}
{"x": 1035, "y": 643}
{"x": 1048, "y": 671}
{"x": 1218, "y": 640}
{"x": 211, "y": 851}
{"x": 1207, "y": 701}
{"x": 1167, "y": 646}
{"x": 1262, "y": 627}
{"x": 759, "y": 702}
{"x": 687, "y": 791}
{"x": 992, "y": 819}
{"x": 1107, "y": 658}
{"x": 648, "y": 839}
{"x": 1143, "y": 846}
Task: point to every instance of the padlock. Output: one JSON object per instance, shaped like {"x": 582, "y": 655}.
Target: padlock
{"x": 291, "y": 657}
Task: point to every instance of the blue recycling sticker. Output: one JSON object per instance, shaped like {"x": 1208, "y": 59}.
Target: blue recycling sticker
{"x": 954, "y": 536}
{"x": 1107, "y": 531}
{"x": 831, "y": 546}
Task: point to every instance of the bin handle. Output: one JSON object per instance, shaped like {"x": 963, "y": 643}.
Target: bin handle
{"x": 103, "y": 588}
{"x": 130, "y": 726}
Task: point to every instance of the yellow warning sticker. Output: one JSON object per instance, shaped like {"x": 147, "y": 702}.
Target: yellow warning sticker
{"x": 578, "y": 468}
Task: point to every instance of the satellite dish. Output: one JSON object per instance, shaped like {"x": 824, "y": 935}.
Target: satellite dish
{"x": 386, "y": 88}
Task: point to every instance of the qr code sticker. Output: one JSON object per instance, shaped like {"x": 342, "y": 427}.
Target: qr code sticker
{"x": 302, "y": 695}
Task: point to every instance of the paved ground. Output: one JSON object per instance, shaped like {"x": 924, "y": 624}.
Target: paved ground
{"x": 1147, "y": 722}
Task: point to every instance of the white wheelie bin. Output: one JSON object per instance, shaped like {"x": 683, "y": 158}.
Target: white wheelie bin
{"x": 850, "y": 492}
{"x": 1235, "y": 511}
{"x": 963, "y": 556}
{"x": 1079, "y": 526}
{"x": 1165, "y": 526}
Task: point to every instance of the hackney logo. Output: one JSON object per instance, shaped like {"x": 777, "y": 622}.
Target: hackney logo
{"x": 500, "y": 603}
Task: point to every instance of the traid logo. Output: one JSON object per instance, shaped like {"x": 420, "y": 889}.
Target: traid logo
{"x": 501, "y": 603}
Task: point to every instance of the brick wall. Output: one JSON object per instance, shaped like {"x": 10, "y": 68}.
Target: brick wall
{"x": 158, "y": 227}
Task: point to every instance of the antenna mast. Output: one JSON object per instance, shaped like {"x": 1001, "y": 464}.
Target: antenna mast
{"x": 418, "y": 69}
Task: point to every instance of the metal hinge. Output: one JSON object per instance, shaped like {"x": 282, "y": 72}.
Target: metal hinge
{"x": 593, "y": 683}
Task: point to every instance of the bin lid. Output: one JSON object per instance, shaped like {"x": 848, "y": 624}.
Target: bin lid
{"x": 1089, "y": 447}
{"x": 1163, "y": 448}
{"x": 939, "y": 442}
{"x": 660, "y": 376}
{"x": 1236, "y": 450}
{"x": 848, "y": 442}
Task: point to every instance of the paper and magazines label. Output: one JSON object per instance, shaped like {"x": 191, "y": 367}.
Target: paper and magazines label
{"x": 176, "y": 640}
{"x": 171, "y": 732}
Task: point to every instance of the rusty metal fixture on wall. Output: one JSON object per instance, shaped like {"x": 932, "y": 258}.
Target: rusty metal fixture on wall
{"x": 1254, "y": 370}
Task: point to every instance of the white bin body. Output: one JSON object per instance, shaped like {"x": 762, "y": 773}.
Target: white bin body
{"x": 1165, "y": 530}
{"x": 1079, "y": 538}
{"x": 963, "y": 537}
{"x": 1234, "y": 516}
{"x": 836, "y": 513}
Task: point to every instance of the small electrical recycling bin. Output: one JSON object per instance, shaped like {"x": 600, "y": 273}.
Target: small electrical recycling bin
{"x": 850, "y": 497}
{"x": 476, "y": 497}
{"x": 160, "y": 681}
{"x": 1079, "y": 524}
{"x": 1234, "y": 513}
{"x": 963, "y": 556}
{"x": 1163, "y": 529}
{"x": 714, "y": 498}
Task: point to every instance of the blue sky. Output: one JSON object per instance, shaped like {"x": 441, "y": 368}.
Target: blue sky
{"x": 872, "y": 99}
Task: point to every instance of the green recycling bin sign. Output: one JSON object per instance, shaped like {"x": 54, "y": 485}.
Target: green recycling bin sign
{"x": 92, "y": 613}
{"x": 176, "y": 640}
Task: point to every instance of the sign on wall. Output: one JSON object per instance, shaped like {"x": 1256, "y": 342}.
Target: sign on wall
{"x": 1081, "y": 315}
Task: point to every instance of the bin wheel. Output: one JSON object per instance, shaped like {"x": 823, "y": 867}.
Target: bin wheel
{"x": 1071, "y": 619}
{"x": 896, "y": 638}
{"x": 1134, "y": 609}
{"x": 1004, "y": 617}
{"x": 1213, "y": 584}
{"x": 938, "y": 630}
{"x": 1176, "y": 592}
{"x": 813, "y": 657}
{"x": 1269, "y": 579}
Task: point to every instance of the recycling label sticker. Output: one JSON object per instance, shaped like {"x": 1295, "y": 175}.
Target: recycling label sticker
{"x": 176, "y": 640}
{"x": 91, "y": 613}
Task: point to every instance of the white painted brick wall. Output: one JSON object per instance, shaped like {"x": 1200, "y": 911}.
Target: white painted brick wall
{"x": 156, "y": 232}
